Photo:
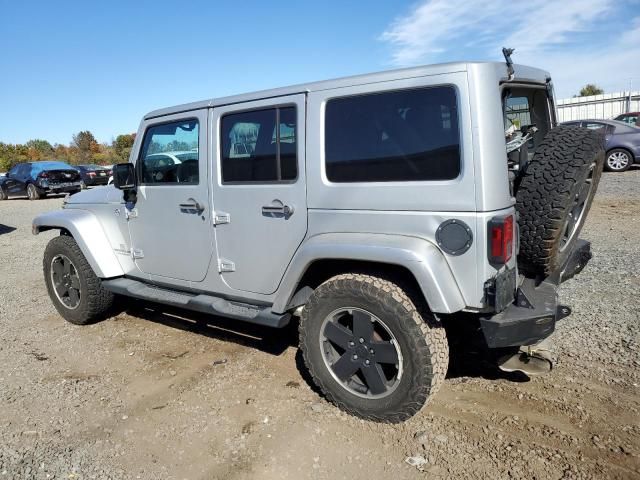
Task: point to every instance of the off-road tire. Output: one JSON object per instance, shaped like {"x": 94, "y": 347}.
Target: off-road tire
{"x": 421, "y": 339}
{"x": 32, "y": 192}
{"x": 95, "y": 301}
{"x": 560, "y": 166}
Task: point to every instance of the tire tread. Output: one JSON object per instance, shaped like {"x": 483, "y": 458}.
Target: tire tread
{"x": 421, "y": 323}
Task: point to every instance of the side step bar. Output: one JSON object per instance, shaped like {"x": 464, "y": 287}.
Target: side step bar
{"x": 197, "y": 302}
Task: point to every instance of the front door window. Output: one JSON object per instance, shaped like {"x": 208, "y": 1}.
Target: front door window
{"x": 170, "y": 154}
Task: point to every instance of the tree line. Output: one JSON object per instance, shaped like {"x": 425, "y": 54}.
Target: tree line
{"x": 83, "y": 149}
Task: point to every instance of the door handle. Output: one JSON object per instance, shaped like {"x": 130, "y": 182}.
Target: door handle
{"x": 191, "y": 205}
{"x": 277, "y": 208}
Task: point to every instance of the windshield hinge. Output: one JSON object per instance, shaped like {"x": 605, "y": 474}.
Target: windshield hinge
{"x": 137, "y": 253}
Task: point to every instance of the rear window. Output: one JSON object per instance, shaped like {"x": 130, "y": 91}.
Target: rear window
{"x": 42, "y": 166}
{"x": 403, "y": 135}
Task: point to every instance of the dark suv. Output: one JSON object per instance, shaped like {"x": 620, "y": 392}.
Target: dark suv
{"x": 37, "y": 179}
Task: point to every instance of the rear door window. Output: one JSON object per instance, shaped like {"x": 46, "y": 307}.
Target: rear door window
{"x": 259, "y": 146}
{"x": 402, "y": 135}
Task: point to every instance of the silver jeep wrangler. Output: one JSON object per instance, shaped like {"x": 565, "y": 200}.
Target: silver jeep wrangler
{"x": 371, "y": 207}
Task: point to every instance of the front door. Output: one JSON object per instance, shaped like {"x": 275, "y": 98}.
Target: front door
{"x": 259, "y": 194}
{"x": 170, "y": 226}
{"x": 17, "y": 178}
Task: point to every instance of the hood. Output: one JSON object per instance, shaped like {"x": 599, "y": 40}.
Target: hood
{"x": 107, "y": 194}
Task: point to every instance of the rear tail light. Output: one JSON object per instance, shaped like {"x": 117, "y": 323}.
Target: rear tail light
{"x": 91, "y": 174}
{"x": 500, "y": 240}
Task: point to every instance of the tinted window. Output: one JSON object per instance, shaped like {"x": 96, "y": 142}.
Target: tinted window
{"x": 254, "y": 150}
{"x": 24, "y": 170}
{"x": 170, "y": 154}
{"x": 402, "y": 135}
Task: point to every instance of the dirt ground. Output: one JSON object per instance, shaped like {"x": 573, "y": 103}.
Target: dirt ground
{"x": 156, "y": 394}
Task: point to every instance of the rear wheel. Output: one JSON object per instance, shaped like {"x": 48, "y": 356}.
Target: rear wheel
{"x": 370, "y": 349}
{"x": 73, "y": 287}
{"x": 32, "y": 192}
{"x": 555, "y": 195}
{"x": 618, "y": 160}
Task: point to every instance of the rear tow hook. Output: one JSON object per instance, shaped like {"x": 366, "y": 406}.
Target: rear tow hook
{"x": 530, "y": 359}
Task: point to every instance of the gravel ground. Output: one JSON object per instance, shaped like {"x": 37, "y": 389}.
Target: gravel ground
{"x": 157, "y": 394}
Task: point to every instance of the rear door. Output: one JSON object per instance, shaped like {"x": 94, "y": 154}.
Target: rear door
{"x": 171, "y": 226}
{"x": 259, "y": 191}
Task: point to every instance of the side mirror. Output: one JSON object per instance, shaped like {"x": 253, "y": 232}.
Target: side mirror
{"x": 124, "y": 176}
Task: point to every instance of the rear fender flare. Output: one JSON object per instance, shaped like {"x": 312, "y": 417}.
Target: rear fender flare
{"x": 87, "y": 231}
{"x": 421, "y": 257}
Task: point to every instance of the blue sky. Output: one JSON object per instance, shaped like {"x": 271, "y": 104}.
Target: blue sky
{"x": 69, "y": 66}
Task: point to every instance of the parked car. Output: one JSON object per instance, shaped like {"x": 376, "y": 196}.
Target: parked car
{"x": 37, "y": 179}
{"x": 93, "y": 175}
{"x": 372, "y": 207}
{"x": 632, "y": 118}
{"x": 622, "y": 142}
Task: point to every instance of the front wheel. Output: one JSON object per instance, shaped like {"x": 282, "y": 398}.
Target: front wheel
{"x": 618, "y": 160}
{"x": 73, "y": 287}
{"x": 3, "y": 194}
{"x": 370, "y": 349}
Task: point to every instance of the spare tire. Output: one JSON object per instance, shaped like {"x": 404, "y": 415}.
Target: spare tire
{"x": 554, "y": 196}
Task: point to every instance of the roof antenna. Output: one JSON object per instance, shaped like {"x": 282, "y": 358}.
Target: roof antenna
{"x": 507, "y": 56}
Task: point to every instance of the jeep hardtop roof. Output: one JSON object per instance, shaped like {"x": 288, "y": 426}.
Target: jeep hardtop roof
{"x": 498, "y": 69}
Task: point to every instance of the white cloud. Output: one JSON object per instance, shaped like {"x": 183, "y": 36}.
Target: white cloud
{"x": 431, "y": 27}
{"x": 544, "y": 34}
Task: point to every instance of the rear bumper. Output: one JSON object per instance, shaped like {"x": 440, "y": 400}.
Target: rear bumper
{"x": 53, "y": 188}
{"x": 532, "y": 316}
{"x": 96, "y": 181}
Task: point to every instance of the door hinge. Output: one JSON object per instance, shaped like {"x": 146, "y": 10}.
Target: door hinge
{"x": 225, "y": 265}
{"x": 221, "y": 217}
{"x": 137, "y": 253}
{"x": 133, "y": 213}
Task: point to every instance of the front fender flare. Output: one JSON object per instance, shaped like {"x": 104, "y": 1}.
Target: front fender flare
{"x": 86, "y": 230}
{"x": 423, "y": 259}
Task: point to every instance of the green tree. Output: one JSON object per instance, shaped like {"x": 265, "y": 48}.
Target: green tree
{"x": 39, "y": 149}
{"x": 122, "y": 146}
{"x": 590, "y": 89}
{"x": 86, "y": 144}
